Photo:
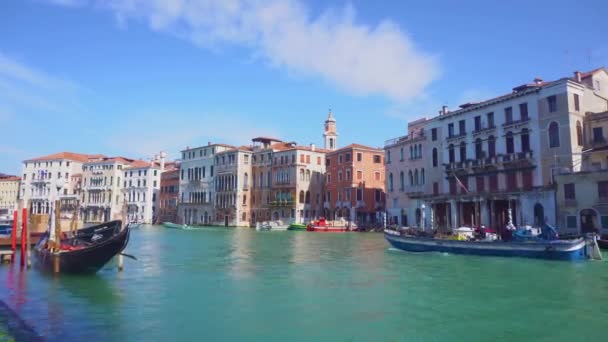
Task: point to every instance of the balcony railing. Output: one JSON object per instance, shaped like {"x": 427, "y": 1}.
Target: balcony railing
{"x": 516, "y": 122}
{"x": 282, "y": 203}
{"x": 456, "y": 136}
{"x": 484, "y": 129}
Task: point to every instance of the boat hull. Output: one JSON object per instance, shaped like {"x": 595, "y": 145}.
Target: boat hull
{"x": 89, "y": 259}
{"x": 172, "y": 225}
{"x": 297, "y": 226}
{"x": 327, "y": 229}
{"x": 552, "y": 250}
{"x": 603, "y": 244}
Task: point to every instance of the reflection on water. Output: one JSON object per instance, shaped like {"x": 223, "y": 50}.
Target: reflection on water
{"x": 234, "y": 284}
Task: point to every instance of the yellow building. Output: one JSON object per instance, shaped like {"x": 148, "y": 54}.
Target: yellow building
{"x": 9, "y": 193}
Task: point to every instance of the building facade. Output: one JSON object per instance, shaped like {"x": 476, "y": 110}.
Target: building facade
{"x": 141, "y": 187}
{"x": 102, "y": 189}
{"x": 261, "y": 181}
{"x": 42, "y": 175}
{"x": 9, "y": 193}
{"x": 197, "y": 184}
{"x": 355, "y": 183}
{"x": 168, "y": 195}
{"x": 493, "y": 162}
{"x": 232, "y": 187}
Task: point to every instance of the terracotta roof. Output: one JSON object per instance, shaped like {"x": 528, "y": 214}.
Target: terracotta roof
{"x": 122, "y": 160}
{"x": 360, "y": 146}
{"x": 7, "y": 178}
{"x": 79, "y": 157}
{"x": 139, "y": 164}
{"x": 590, "y": 73}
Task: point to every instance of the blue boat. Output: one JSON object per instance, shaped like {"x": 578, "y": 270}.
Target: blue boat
{"x": 576, "y": 249}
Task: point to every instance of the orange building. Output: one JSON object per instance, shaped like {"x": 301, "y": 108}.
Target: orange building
{"x": 168, "y": 195}
{"x": 354, "y": 184}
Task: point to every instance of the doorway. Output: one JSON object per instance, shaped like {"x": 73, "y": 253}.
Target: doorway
{"x": 539, "y": 215}
{"x": 226, "y": 221}
{"x": 589, "y": 221}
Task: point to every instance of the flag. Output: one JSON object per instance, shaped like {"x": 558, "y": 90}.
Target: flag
{"x": 461, "y": 184}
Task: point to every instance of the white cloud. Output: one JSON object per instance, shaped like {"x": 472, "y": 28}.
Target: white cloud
{"x": 360, "y": 59}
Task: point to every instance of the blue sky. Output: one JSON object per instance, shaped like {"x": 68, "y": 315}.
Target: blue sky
{"x": 132, "y": 77}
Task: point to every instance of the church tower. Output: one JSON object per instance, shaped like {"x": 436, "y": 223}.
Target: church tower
{"x": 330, "y": 135}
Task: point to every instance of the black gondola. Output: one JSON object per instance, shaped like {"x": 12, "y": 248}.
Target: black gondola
{"x": 85, "y": 250}
{"x": 603, "y": 244}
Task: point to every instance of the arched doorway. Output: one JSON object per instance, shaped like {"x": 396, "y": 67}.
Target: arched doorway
{"x": 589, "y": 221}
{"x": 275, "y": 215}
{"x": 539, "y": 215}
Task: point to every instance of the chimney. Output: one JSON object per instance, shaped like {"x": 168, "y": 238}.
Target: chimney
{"x": 577, "y": 76}
{"x": 312, "y": 147}
{"x": 538, "y": 80}
{"x": 444, "y": 110}
{"x": 208, "y": 143}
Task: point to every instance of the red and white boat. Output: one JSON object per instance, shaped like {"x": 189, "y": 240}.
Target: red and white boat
{"x": 323, "y": 225}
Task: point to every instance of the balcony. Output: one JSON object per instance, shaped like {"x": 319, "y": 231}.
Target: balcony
{"x": 415, "y": 137}
{"x": 40, "y": 181}
{"x": 489, "y": 128}
{"x": 517, "y": 159}
{"x": 282, "y": 203}
{"x": 456, "y": 136}
{"x": 516, "y": 123}
{"x": 597, "y": 143}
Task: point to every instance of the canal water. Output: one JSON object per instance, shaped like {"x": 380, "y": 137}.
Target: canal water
{"x": 238, "y": 284}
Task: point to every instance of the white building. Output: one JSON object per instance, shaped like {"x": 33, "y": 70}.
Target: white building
{"x": 102, "y": 185}
{"x": 9, "y": 193}
{"x": 40, "y": 175}
{"x": 141, "y": 188}
{"x": 232, "y": 187}
{"x": 197, "y": 184}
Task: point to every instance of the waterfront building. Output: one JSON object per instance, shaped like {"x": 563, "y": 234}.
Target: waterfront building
{"x": 40, "y": 175}
{"x": 141, "y": 186}
{"x": 497, "y": 156}
{"x": 9, "y": 193}
{"x": 232, "y": 180}
{"x": 407, "y": 171}
{"x": 197, "y": 184}
{"x": 168, "y": 194}
{"x": 261, "y": 181}
{"x": 582, "y": 195}
{"x": 102, "y": 185}
{"x": 354, "y": 184}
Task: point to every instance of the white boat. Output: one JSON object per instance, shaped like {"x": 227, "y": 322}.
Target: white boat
{"x": 271, "y": 225}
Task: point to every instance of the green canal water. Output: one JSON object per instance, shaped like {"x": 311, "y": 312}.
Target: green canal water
{"x": 238, "y": 284}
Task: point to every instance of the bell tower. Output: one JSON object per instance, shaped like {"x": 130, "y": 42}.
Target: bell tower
{"x": 330, "y": 135}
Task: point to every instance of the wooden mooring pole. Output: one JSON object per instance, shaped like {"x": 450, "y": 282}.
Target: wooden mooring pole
{"x": 28, "y": 235}
{"x": 14, "y": 236}
{"x": 57, "y": 242}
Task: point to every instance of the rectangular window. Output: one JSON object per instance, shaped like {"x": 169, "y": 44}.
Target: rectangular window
{"x": 480, "y": 183}
{"x": 598, "y": 135}
{"x": 307, "y": 159}
{"x": 528, "y": 179}
{"x": 359, "y": 175}
{"x": 340, "y": 175}
{"x": 434, "y": 134}
{"x": 340, "y": 159}
{"x": 604, "y": 222}
{"x": 453, "y": 189}
{"x": 493, "y": 180}
{"x": 327, "y": 162}
{"x": 359, "y": 157}
{"x": 348, "y": 175}
{"x": 523, "y": 111}
{"x": 577, "y": 105}
{"x": 435, "y": 188}
{"x": 569, "y": 192}
{"x": 509, "y": 114}
{"x": 511, "y": 180}
{"x": 552, "y": 103}
{"x": 302, "y": 158}
{"x": 450, "y": 130}
{"x": 571, "y": 222}
{"x": 347, "y": 157}
{"x": 478, "y": 123}
{"x": 602, "y": 189}
{"x": 328, "y": 178}
{"x": 462, "y": 127}
{"x": 318, "y": 160}
{"x": 490, "y": 116}
{"x": 377, "y": 159}
{"x": 359, "y": 194}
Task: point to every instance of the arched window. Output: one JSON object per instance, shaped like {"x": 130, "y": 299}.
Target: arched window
{"x": 451, "y": 153}
{"x": 402, "y": 156}
{"x": 510, "y": 145}
{"x": 416, "y": 180}
{"x": 525, "y": 140}
{"x": 388, "y": 156}
{"x": 463, "y": 151}
{"x": 307, "y": 201}
{"x": 411, "y": 152}
{"x": 420, "y": 151}
{"x": 434, "y": 157}
{"x": 307, "y": 175}
{"x": 491, "y": 146}
{"x": 422, "y": 176}
{"x": 301, "y": 174}
{"x": 401, "y": 181}
{"x": 478, "y": 149}
{"x": 390, "y": 181}
{"x": 245, "y": 181}
{"x": 553, "y": 135}
{"x": 302, "y": 196}
{"x": 579, "y": 133}
{"x": 411, "y": 176}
